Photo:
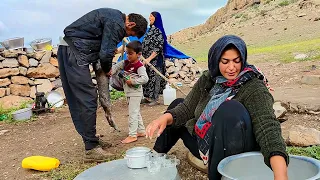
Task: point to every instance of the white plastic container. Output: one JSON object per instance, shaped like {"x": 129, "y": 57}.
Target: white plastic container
{"x": 169, "y": 95}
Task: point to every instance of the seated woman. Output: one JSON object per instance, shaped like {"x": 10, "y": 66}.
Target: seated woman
{"x": 228, "y": 111}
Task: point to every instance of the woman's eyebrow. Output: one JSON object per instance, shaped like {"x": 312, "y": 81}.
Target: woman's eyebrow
{"x": 230, "y": 59}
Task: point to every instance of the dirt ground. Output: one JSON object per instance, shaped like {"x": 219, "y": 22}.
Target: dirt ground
{"x": 53, "y": 134}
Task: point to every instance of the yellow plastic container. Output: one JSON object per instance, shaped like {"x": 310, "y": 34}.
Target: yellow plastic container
{"x": 40, "y": 163}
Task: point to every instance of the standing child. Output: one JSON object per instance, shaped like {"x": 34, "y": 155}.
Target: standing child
{"x": 134, "y": 75}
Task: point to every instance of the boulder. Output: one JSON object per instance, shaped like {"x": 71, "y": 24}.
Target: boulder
{"x": 20, "y": 90}
{"x": 9, "y": 54}
{"x": 33, "y": 62}
{"x": 8, "y": 92}
{"x": 33, "y": 92}
{"x": 45, "y": 86}
{"x": 23, "y": 61}
{"x": 169, "y": 63}
{"x": 19, "y": 80}
{"x": 46, "y": 57}
{"x": 8, "y": 72}
{"x": 54, "y": 61}
{"x": 311, "y": 79}
{"x": 301, "y": 56}
{"x": 182, "y": 74}
{"x": 10, "y": 63}
{"x": 2, "y": 92}
{"x": 23, "y": 71}
{"x": 303, "y": 137}
{"x": 279, "y": 110}
{"x": 44, "y": 71}
{"x": 38, "y": 55}
{"x": 13, "y": 101}
{"x": 5, "y": 82}
{"x": 57, "y": 83}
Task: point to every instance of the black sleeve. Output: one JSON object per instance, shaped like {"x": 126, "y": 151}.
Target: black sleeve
{"x": 113, "y": 33}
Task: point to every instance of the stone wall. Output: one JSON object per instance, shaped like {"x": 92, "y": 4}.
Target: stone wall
{"x": 22, "y": 74}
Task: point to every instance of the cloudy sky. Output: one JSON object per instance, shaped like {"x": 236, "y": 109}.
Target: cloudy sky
{"x": 34, "y": 19}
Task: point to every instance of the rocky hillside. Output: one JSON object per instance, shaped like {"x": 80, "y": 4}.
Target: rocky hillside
{"x": 232, "y": 13}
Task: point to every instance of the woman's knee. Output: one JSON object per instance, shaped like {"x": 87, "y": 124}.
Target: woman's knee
{"x": 231, "y": 112}
{"x": 175, "y": 103}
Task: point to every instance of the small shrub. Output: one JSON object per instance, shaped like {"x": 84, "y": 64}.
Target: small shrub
{"x": 115, "y": 95}
{"x": 284, "y": 3}
{"x": 237, "y": 16}
{"x": 263, "y": 12}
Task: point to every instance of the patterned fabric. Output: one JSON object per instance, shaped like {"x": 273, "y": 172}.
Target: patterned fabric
{"x": 153, "y": 42}
{"x": 222, "y": 91}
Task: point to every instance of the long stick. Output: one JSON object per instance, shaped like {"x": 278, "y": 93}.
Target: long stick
{"x": 156, "y": 70}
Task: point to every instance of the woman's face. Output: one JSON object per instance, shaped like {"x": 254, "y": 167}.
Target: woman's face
{"x": 151, "y": 19}
{"x": 230, "y": 64}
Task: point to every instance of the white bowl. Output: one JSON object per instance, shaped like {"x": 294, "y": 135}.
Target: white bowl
{"x": 55, "y": 97}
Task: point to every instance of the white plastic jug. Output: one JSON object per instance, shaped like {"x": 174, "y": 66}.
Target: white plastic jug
{"x": 169, "y": 94}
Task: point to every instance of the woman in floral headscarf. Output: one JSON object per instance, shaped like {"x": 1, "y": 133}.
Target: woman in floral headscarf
{"x": 153, "y": 50}
{"x": 228, "y": 111}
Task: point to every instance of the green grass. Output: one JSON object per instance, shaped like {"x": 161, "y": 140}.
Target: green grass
{"x": 285, "y": 52}
{"x": 115, "y": 95}
{"x": 6, "y": 113}
{"x": 67, "y": 171}
{"x": 278, "y": 52}
{"x": 284, "y": 3}
{"x": 313, "y": 151}
{"x": 70, "y": 170}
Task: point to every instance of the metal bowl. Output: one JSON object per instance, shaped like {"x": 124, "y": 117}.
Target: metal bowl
{"x": 250, "y": 166}
{"x": 137, "y": 157}
{"x": 22, "y": 114}
{"x": 55, "y": 98}
{"x": 42, "y": 44}
{"x": 13, "y": 43}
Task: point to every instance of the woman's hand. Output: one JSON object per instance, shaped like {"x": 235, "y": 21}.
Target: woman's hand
{"x": 146, "y": 61}
{"x": 279, "y": 167}
{"x": 158, "y": 125}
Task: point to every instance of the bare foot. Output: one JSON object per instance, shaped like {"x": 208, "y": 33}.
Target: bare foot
{"x": 141, "y": 134}
{"x": 129, "y": 139}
